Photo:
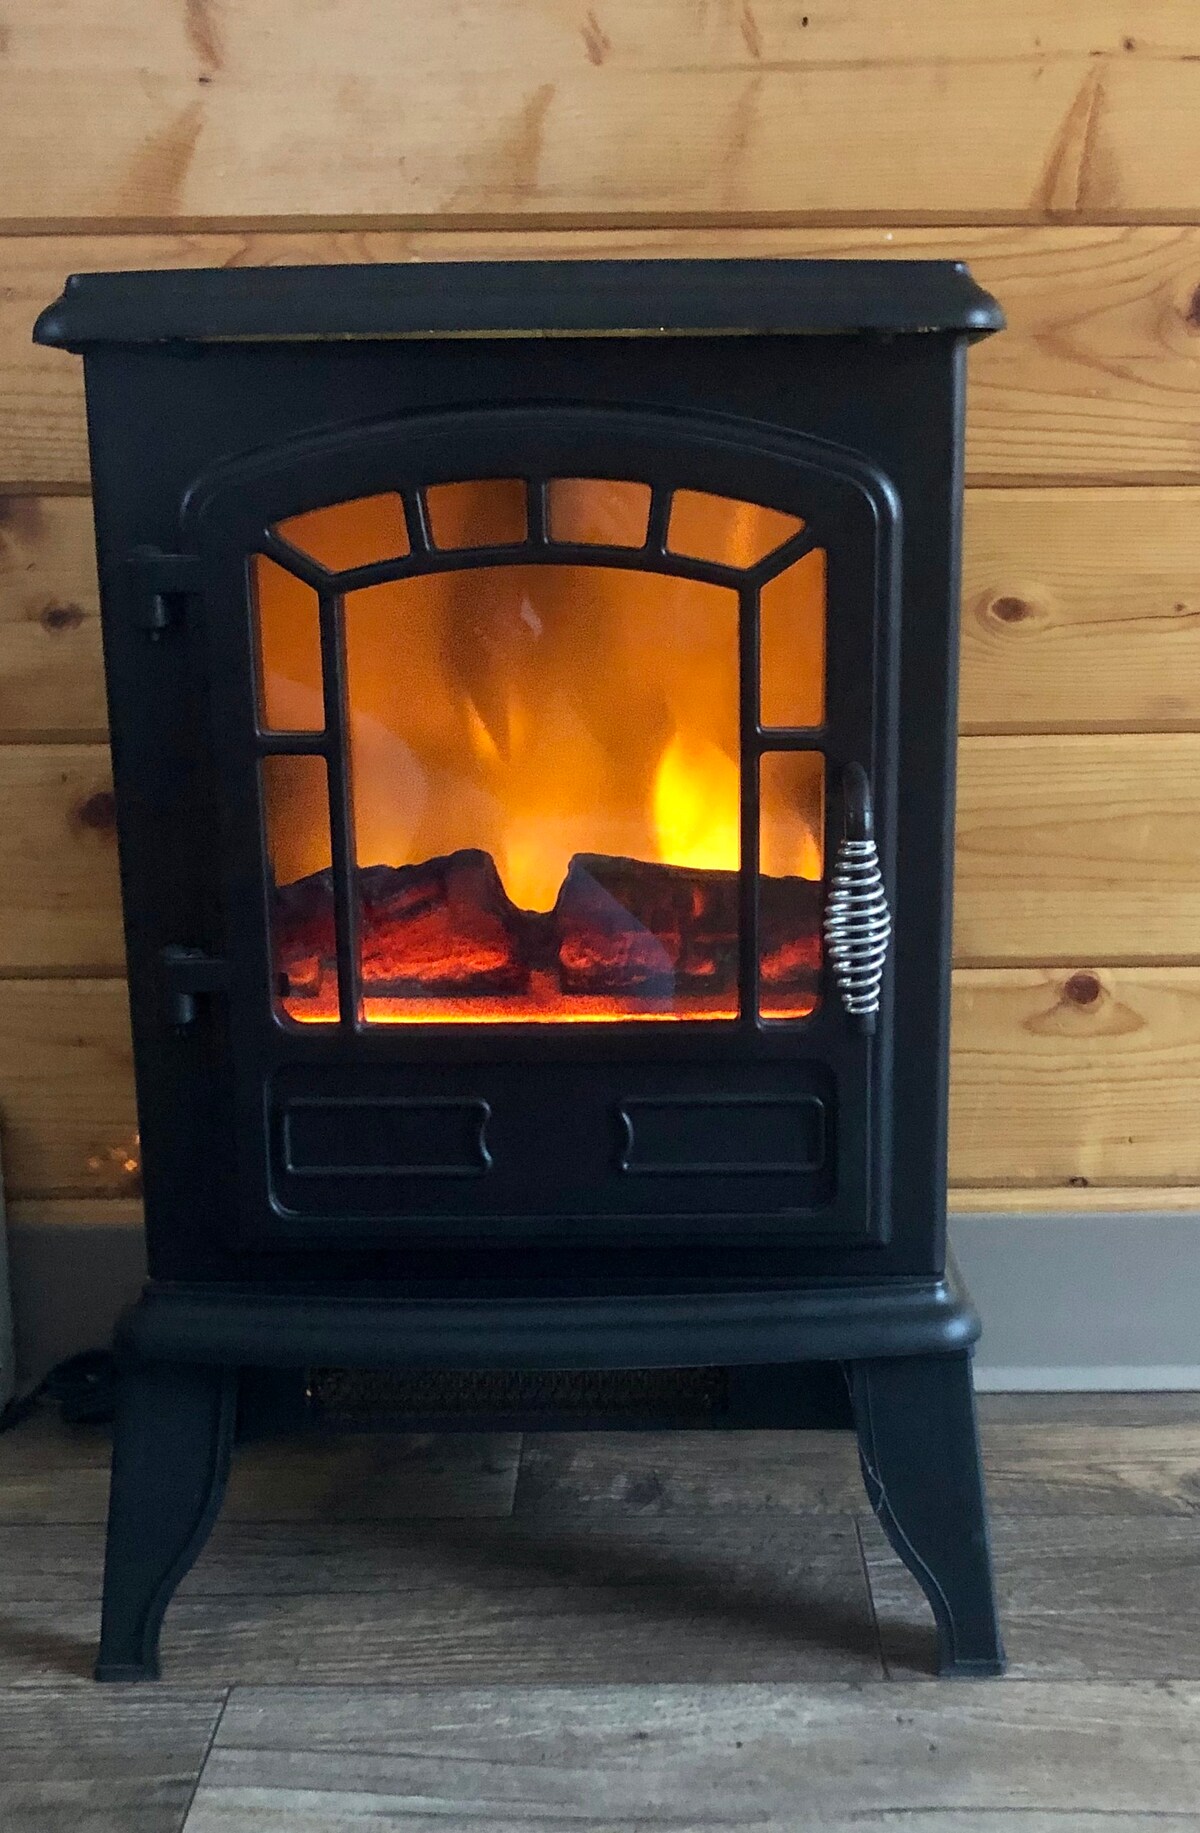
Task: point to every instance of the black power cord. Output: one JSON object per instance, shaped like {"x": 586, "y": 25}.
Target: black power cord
{"x": 84, "y": 1387}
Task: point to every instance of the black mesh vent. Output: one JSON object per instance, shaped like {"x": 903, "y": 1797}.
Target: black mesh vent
{"x": 360, "y": 1397}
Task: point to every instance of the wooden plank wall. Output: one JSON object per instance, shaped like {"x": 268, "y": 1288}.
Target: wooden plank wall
{"x": 1052, "y": 146}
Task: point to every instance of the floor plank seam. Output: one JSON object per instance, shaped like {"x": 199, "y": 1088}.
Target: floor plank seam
{"x": 226, "y": 1694}
{"x": 865, "y": 1567}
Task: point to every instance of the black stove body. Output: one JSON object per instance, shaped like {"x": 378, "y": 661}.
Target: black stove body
{"x": 532, "y": 695}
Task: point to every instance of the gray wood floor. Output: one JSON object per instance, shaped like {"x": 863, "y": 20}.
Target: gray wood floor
{"x": 686, "y": 1631}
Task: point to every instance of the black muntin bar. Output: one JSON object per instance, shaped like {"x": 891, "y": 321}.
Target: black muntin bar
{"x": 292, "y": 744}
{"x": 748, "y": 664}
{"x": 656, "y": 527}
{"x": 290, "y": 558}
{"x": 537, "y": 511}
{"x": 532, "y": 552}
{"x": 341, "y": 812}
{"x": 781, "y": 558}
{"x": 416, "y": 520}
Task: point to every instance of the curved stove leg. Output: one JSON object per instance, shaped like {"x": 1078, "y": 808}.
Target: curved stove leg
{"x": 918, "y": 1442}
{"x": 171, "y": 1448}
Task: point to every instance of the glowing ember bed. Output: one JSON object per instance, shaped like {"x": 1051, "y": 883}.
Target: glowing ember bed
{"x": 532, "y": 702}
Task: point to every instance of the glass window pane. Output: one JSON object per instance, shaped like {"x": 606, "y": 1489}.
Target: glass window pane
{"x": 791, "y": 866}
{"x": 601, "y": 511}
{"x": 487, "y": 513}
{"x": 358, "y": 533}
{"x": 722, "y": 529}
{"x": 287, "y": 617}
{"x": 544, "y": 761}
{"x": 303, "y": 950}
{"x": 792, "y": 655}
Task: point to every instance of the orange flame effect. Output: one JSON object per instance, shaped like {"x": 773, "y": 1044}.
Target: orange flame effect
{"x": 536, "y": 712}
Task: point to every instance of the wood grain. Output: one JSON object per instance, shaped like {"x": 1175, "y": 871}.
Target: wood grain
{"x": 1104, "y": 1459}
{"x": 370, "y": 1478}
{"x": 582, "y": 1631}
{"x": 1079, "y": 1600}
{"x": 51, "y": 677}
{"x": 1058, "y": 1075}
{"x": 51, "y": 1474}
{"x": 66, "y": 1088}
{"x": 102, "y": 1762}
{"x": 667, "y": 1473}
{"x": 1098, "y": 1466}
{"x": 1080, "y": 1198}
{"x": 743, "y": 1552}
{"x": 1070, "y": 847}
{"x": 452, "y": 1633}
{"x": 1079, "y": 847}
{"x": 1081, "y": 610}
{"x": 60, "y": 904}
{"x": 489, "y": 1618}
{"x": 1080, "y": 613}
{"x": 103, "y": 1213}
{"x": 1096, "y": 380}
{"x": 75, "y": 1212}
{"x": 622, "y": 112}
{"x": 721, "y": 1521}
{"x": 1091, "y": 1074}
{"x": 848, "y": 1759}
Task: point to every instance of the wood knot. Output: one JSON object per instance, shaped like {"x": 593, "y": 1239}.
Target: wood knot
{"x": 1191, "y": 315}
{"x": 1082, "y": 990}
{"x": 98, "y": 812}
{"x": 61, "y": 617}
{"x": 1011, "y": 610}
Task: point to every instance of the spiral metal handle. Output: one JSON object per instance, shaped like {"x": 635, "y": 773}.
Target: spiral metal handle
{"x": 858, "y": 924}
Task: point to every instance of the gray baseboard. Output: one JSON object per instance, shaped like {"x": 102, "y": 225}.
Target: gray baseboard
{"x": 69, "y": 1282}
{"x": 1068, "y": 1302}
{"x": 1076, "y": 1302}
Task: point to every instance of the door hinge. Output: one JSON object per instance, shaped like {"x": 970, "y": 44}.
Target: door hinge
{"x": 162, "y": 582}
{"x": 187, "y": 972}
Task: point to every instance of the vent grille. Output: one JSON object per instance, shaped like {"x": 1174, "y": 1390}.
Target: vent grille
{"x": 350, "y": 1397}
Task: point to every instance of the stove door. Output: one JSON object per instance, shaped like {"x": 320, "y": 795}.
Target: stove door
{"x": 540, "y": 730}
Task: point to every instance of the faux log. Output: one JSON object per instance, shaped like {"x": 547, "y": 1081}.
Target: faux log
{"x": 619, "y": 927}
{"x": 444, "y": 926}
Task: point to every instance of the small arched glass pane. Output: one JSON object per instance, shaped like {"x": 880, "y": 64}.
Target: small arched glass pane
{"x": 598, "y": 511}
{"x": 792, "y": 649}
{"x": 287, "y": 619}
{"x": 726, "y": 531}
{"x": 489, "y": 512}
{"x": 358, "y": 533}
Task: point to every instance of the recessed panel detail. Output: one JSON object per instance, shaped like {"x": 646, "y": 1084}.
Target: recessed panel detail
{"x": 768, "y": 1134}
{"x": 385, "y": 1136}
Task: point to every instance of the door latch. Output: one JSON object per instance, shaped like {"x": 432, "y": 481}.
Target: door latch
{"x": 162, "y": 582}
{"x": 186, "y": 974}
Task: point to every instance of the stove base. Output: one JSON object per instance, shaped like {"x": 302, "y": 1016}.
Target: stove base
{"x": 905, "y": 1347}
